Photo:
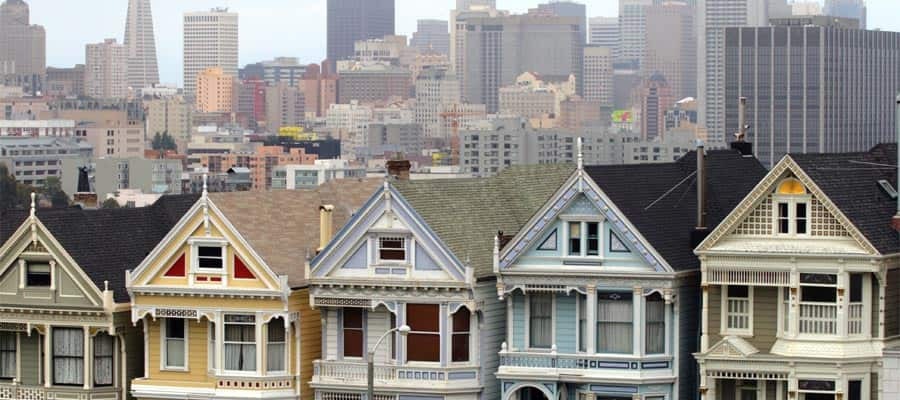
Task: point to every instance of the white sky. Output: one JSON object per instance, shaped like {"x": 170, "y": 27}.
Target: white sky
{"x": 268, "y": 28}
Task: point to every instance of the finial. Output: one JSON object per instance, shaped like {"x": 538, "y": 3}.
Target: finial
{"x": 205, "y": 185}
{"x": 33, "y": 208}
{"x": 579, "y": 144}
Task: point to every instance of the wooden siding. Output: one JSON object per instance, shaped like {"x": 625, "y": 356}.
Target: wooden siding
{"x": 377, "y": 322}
{"x": 331, "y": 346}
{"x": 134, "y": 358}
{"x": 310, "y": 340}
{"x": 198, "y": 342}
{"x": 566, "y": 323}
{"x": 892, "y": 299}
{"x": 492, "y": 331}
{"x": 714, "y": 320}
{"x": 31, "y": 358}
{"x": 765, "y": 318}
{"x": 688, "y": 303}
{"x": 518, "y": 339}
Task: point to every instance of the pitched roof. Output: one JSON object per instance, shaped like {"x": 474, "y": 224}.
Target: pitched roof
{"x": 106, "y": 242}
{"x": 282, "y": 226}
{"x": 850, "y": 180}
{"x": 467, "y": 213}
{"x": 666, "y": 220}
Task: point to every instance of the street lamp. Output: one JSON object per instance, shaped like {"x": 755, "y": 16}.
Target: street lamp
{"x": 370, "y": 359}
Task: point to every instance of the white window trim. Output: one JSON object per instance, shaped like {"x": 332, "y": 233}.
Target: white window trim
{"x": 528, "y": 323}
{"x": 407, "y": 249}
{"x": 792, "y": 201}
{"x": 451, "y": 332}
{"x": 212, "y": 340}
{"x": 637, "y": 346}
{"x": 256, "y": 342}
{"x": 163, "y": 345}
{"x": 583, "y": 219}
{"x": 285, "y": 354}
{"x": 196, "y": 243}
{"x": 724, "y": 314}
{"x": 666, "y": 347}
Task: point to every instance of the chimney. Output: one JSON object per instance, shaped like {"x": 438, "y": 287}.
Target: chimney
{"x": 740, "y": 142}
{"x": 326, "y": 225}
{"x": 399, "y": 169}
{"x": 700, "y": 230}
{"x": 895, "y": 221}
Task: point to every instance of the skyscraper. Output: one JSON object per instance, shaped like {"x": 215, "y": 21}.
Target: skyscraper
{"x": 632, "y": 30}
{"x": 210, "y": 40}
{"x": 567, "y": 8}
{"x": 431, "y": 36}
{"x": 604, "y": 32}
{"x": 105, "y": 70}
{"x": 466, "y": 9}
{"x": 671, "y": 47}
{"x": 23, "y": 55}
{"x": 847, "y": 9}
{"x": 352, "y": 20}
{"x": 141, "y": 46}
{"x": 598, "y": 75}
{"x": 655, "y": 98}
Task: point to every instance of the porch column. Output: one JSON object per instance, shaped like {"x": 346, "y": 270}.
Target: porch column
{"x": 123, "y": 366}
{"x": 443, "y": 320}
{"x": 704, "y": 318}
{"x": 590, "y": 319}
{"x": 509, "y": 322}
{"x": 145, "y": 324}
{"x": 88, "y": 358}
{"x": 220, "y": 342}
{"x": 48, "y": 355}
{"x": 637, "y": 307}
{"x": 670, "y": 306}
{"x": 882, "y": 284}
{"x": 794, "y": 305}
{"x": 18, "y": 379}
{"x": 262, "y": 345}
{"x": 843, "y": 292}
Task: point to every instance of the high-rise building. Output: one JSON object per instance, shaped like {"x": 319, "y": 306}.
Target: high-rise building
{"x": 210, "y": 40}
{"x": 499, "y": 49}
{"x": 713, "y": 16}
{"x": 598, "y": 75}
{"x": 23, "y": 54}
{"x": 215, "y": 91}
{"x": 319, "y": 90}
{"x": 352, "y": 20}
{"x": 671, "y": 46}
{"x": 431, "y": 36}
{"x": 632, "y": 30}
{"x": 275, "y": 71}
{"x": 847, "y": 9}
{"x": 655, "y": 98}
{"x": 813, "y": 85}
{"x": 373, "y": 83}
{"x": 65, "y": 82}
{"x": 250, "y": 102}
{"x": 141, "y": 45}
{"x": 284, "y": 106}
{"x": 170, "y": 115}
{"x": 466, "y": 9}
{"x": 567, "y": 8}
{"x": 435, "y": 88}
{"x": 604, "y": 32}
{"x": 106, "y": 70}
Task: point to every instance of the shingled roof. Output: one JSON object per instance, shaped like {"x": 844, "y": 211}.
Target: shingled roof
{"x": 666, "y": 220}
{"x": 282, "y": 226}
{"x": 850, "y": 180}
{"x": 106, "y": 242}
{"x": 466, "y": 214}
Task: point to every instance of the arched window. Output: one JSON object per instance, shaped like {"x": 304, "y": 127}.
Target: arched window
{"x": 791, "y": 208}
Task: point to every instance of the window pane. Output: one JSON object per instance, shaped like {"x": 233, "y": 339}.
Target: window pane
{"x": 461, "y": 320}
{"x": 856, "y": 288}
{"x": 593, "y": 239}
{"x": 460, "y": 347}
{"x": 175, "y": 352}
{"x": 275, "y": 354}
{"x": 574, "y": 238}
{"x": 540, "y": 321}
{"x": 614, "y": 327}
{"x": 7, "y": 355}
{"x": 656, "y": 324}
{"x": 209, "y": 262}
{"x": 818, "y": 294}
{"x": 104, "y": 347}
{"x": 783, "y": 221}
{"x": 206, "y": 251}
{"x": 424, "y": 347}
{"x": 276, "y": 330}
{"x": 801, "y": 218}
{"x": 175, "y": 328}
{"x": 68, "y": 353}
{"x": 423, "y": 317}
{"x": 353, "y": 318}
{"x": 738, "y": 291}
{"x": 353, "y": 343}
{"x": 38, "y": 275}
{"x": 854, "y": 390}
{"x": 392, "y": 248}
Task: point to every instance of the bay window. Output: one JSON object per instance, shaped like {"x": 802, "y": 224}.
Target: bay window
{"x": 655, "y": 322}
{"x": 818, "y": 304}
{"x": 614, "y": 323}
{"x": 275, "y": 346}
{"x": 104, "y": 350}
{"x": 423, "y": 343}
{"x": 462, "y": 320}
{"x": 7, "y": 355}
{"x": 68, "y": 356}
{"x": 737, "y": 309}
{"x": 352, "y": 331}
{"x": 540, "y": 321}
{"x": 240, "y": 343}
{"x": 175, "y": 336}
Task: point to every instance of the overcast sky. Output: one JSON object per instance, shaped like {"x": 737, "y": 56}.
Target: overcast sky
{"x": 268, "y": 28}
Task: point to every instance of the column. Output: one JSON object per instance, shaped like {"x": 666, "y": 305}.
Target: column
{"x": 637, "y": 331}
{"x": 260, "y": 345}
{"x": 444, "y": 319}
{"x": 145, "y": 323}
{"x": 704, "y": 318}
{"x": 882, "y": 284}
{"x": 123, "y": 366}
{"x": 843, "y": 292}
{"x": 793, "y": 305}
{"x": 220, "y": 342}
{"x": 670, "y": 305}
{"x": 88, "y": 356}
{"x": 401, "y": 320}
{"x": 48, "y": 355}
{"x": 18, "y": 378}
{"x": 590, "y": 317}
{"x": 509, "y": 322}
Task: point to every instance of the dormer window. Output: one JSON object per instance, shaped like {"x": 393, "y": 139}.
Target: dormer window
{"x": 37, "y": 275}
{"x": 392, "y": 249}
{"x": 792, "y": 208}
{"x": 584, "y": 238}
{"x": 209, "y": 257}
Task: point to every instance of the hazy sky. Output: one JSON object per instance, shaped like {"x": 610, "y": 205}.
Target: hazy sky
{"x": 268, "y": 28}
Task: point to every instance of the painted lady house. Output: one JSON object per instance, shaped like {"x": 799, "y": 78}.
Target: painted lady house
{"x": 801, "y": 284}
{"x": 419, "y": 255}
{"x": 222, "y": 300}
{"x": 601, "y": 287}
{"x": 65, "y": 329}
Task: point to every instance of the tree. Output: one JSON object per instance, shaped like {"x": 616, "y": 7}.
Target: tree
{"x": 163, "y": 141}
{"x": 53, "y": 189}
{"x": 9, "y": 189}
{"x": 110, "y": 203}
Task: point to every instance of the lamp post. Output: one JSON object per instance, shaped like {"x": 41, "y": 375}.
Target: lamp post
{"x": 370, "y": 359}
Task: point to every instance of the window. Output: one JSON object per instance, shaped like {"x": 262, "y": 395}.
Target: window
{"x": 582, "y": 323}
{"x": 784, "y": 225}
{"x": 655, "y": 324}
{"x": 584, "y": 239}
{"x": 211, "y": 350}
{"x": 616, "y": 245}
{"x": 210, "y": 257}
{"x": 353, "y": 332}
{"x": 68, "y": 356}
{"x": 7, "y": 355}
{"x": 392, "y": 249}
{"x": 275, "y": 346}
{"x": 854, "y": 390}
{"x": 738, "y": 309}
{"x": 37, "y": 275}
{"x": 792, "y": 208}
{"x": 540, "y": 321}
{"x": 614, "y": 323}
{"x": 240, "y": 343}
{"x": 424, "y": 339}
{"x": 174, "y": 340}
{"x": 574, "y": 238}
{"x": 104, "y": 349}
{"x": 593, "y": 239}
{"x": 460, "y": 342}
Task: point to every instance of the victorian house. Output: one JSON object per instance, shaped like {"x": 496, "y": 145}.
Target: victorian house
{"x": 222, "y": 299}
{"x": 65, "y": 329}
{"x": 601, "y": 287}
{"x": 414, "y": 267}
{"x": 801, "y": 284}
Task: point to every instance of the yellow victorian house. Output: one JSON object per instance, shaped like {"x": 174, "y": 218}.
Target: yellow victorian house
{"x": 223, "y": 300}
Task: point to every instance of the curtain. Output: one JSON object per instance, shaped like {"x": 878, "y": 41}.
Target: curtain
{"x": 656, "y": 325}
{"x": 104, "y": 348}
{"x": 614, "y": 328}
{"x": 275, "y": 346}
{"x": 540, "y": 321}
{"x": 460, "y": 342}
{"x": 7, "y": 355}
{"x": 68, "y": 356}
{"x": 582, "y": 323}
{"x": 240, "y": 347}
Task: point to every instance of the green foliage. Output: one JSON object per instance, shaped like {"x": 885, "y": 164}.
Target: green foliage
{"x": 17, "y": 195}
{"x": 163, "y": 141}
{"x": 110, "y": 203}
{"x": 9, "y": 189}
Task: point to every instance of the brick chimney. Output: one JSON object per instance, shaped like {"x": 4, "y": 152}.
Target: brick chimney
{"x": 399, "y": 169}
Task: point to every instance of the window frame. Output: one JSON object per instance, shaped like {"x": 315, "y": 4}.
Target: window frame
{"x": 413, "y": 332}
{"x": 583, "y": 223}
{"x": 725, "y": 330}
{"x": 792, "y": 200}
{"x": 15, "y": 350}
{"x": 27, "y": 272}
{"x": 361, "y": 329}
{"x": 212, "y": 347}
{"x": 111, "y": 357}
{"x": 597, "y": 322}
{"x": 164, "y": 345}
{"x": 528, "y": 298}
{"x": 646, "y": 321}
{"x": 196, "y": 244}
{"x": 54, "y": 356}
{"x": 467, "y": 334}
{"x": 404, "y": 240}
{"x": 284, "y": 342}
{"x": 242, "y": 343}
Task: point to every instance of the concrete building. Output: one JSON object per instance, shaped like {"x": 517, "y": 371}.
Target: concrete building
{"x": 170, "y": 115}
{"x": 391, "y": 49}
{"x": 656, "y": 96}
{"x": 280, "y": 69}
{"x": 37, "y": 128}
{"x": 32, "y": 160}
{"x": 106, "y": 70}
{"x": 598, "y": 75}
{"x": 285, "y": 107}
{"x": 382, "y": 138}
{"x": 578, "y": 113}
{"x": 847, "y": 9}
{"x": 293, "y": 177}
{"x": 660, "y": 149}
{"x": 813, "y": 85}
{"x": 214, "y": 91}
{"x": 567, "y": 8}
{"x": 23, "y": 53}
{"x": 431, "y": 36}
{"x": 65, "y": 82}
{"x": 23, "y": 108}
{"x": 210, "y": 40}
{"x": 110, "y": 132}
{"x": 320, "y": 90}
{"x": 373, "y": 82}
{"x": 348, "y": 122}
{"x": 435, "y": 89}
{"x": 352, "y": 20}
{"x": 465, "y": 10}
{"x": 150, "y": 176}
{"x": 249, "y": 103}
{"x": 499, "y": 49}
{"x": 536, "y": 96}
{"x": 633, "y": 31}
{"x": 671, "y": 46}
{"x": 604, "y": 32}
{"x": 140, "y": 43}
{"x": 159, "y": 91}
{"x": 261, "y": 162}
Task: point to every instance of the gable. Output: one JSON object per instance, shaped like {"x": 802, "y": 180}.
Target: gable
{"x": 386, "y": 239}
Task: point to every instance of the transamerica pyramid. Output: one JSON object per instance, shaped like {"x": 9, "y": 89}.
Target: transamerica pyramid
{"x": 141, "y": 45}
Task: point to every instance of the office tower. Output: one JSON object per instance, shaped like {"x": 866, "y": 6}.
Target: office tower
{"x": 319, "y": 90}
{"x": 23, "y": 55}
{"x": 813, "y": 85}
{"x": 604, "y": 32}
{"x": 466, "y": 9}
{"x": 65, "y": 82}
{"x": 598, "y": 75}
{"x": 373, "y": 83}
{"x": 250, "y": 102}
{"x": 671, "y": 47}
{"x": 352, "y": 20}
{"x": 170, "y": 115}
{"x": 215, "y": 91}
{"x": 713, "y": 16}
{"x": 567, "y": 8}
{"x": 435, "y": 89}
{"x": 210, "y": 40}
{"x": 141, "y": 45}
{"x": 106, "y": 70}
{"x": 655, "y": 97}
{"x": 275, "y": 71}
{"x": 847, "y": 9}
{"x": 499, "y": 49}
{"x": 284, "y": 107}
{"x": 632, "y": 30}
{"x": 431, "y": 36}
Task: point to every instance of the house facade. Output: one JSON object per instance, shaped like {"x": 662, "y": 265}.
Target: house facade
{"x": 800, "y": 284}
{"x": 65, "y": 331}
{"x": 418, "y": 255}
{"x": 600, "y": 287}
